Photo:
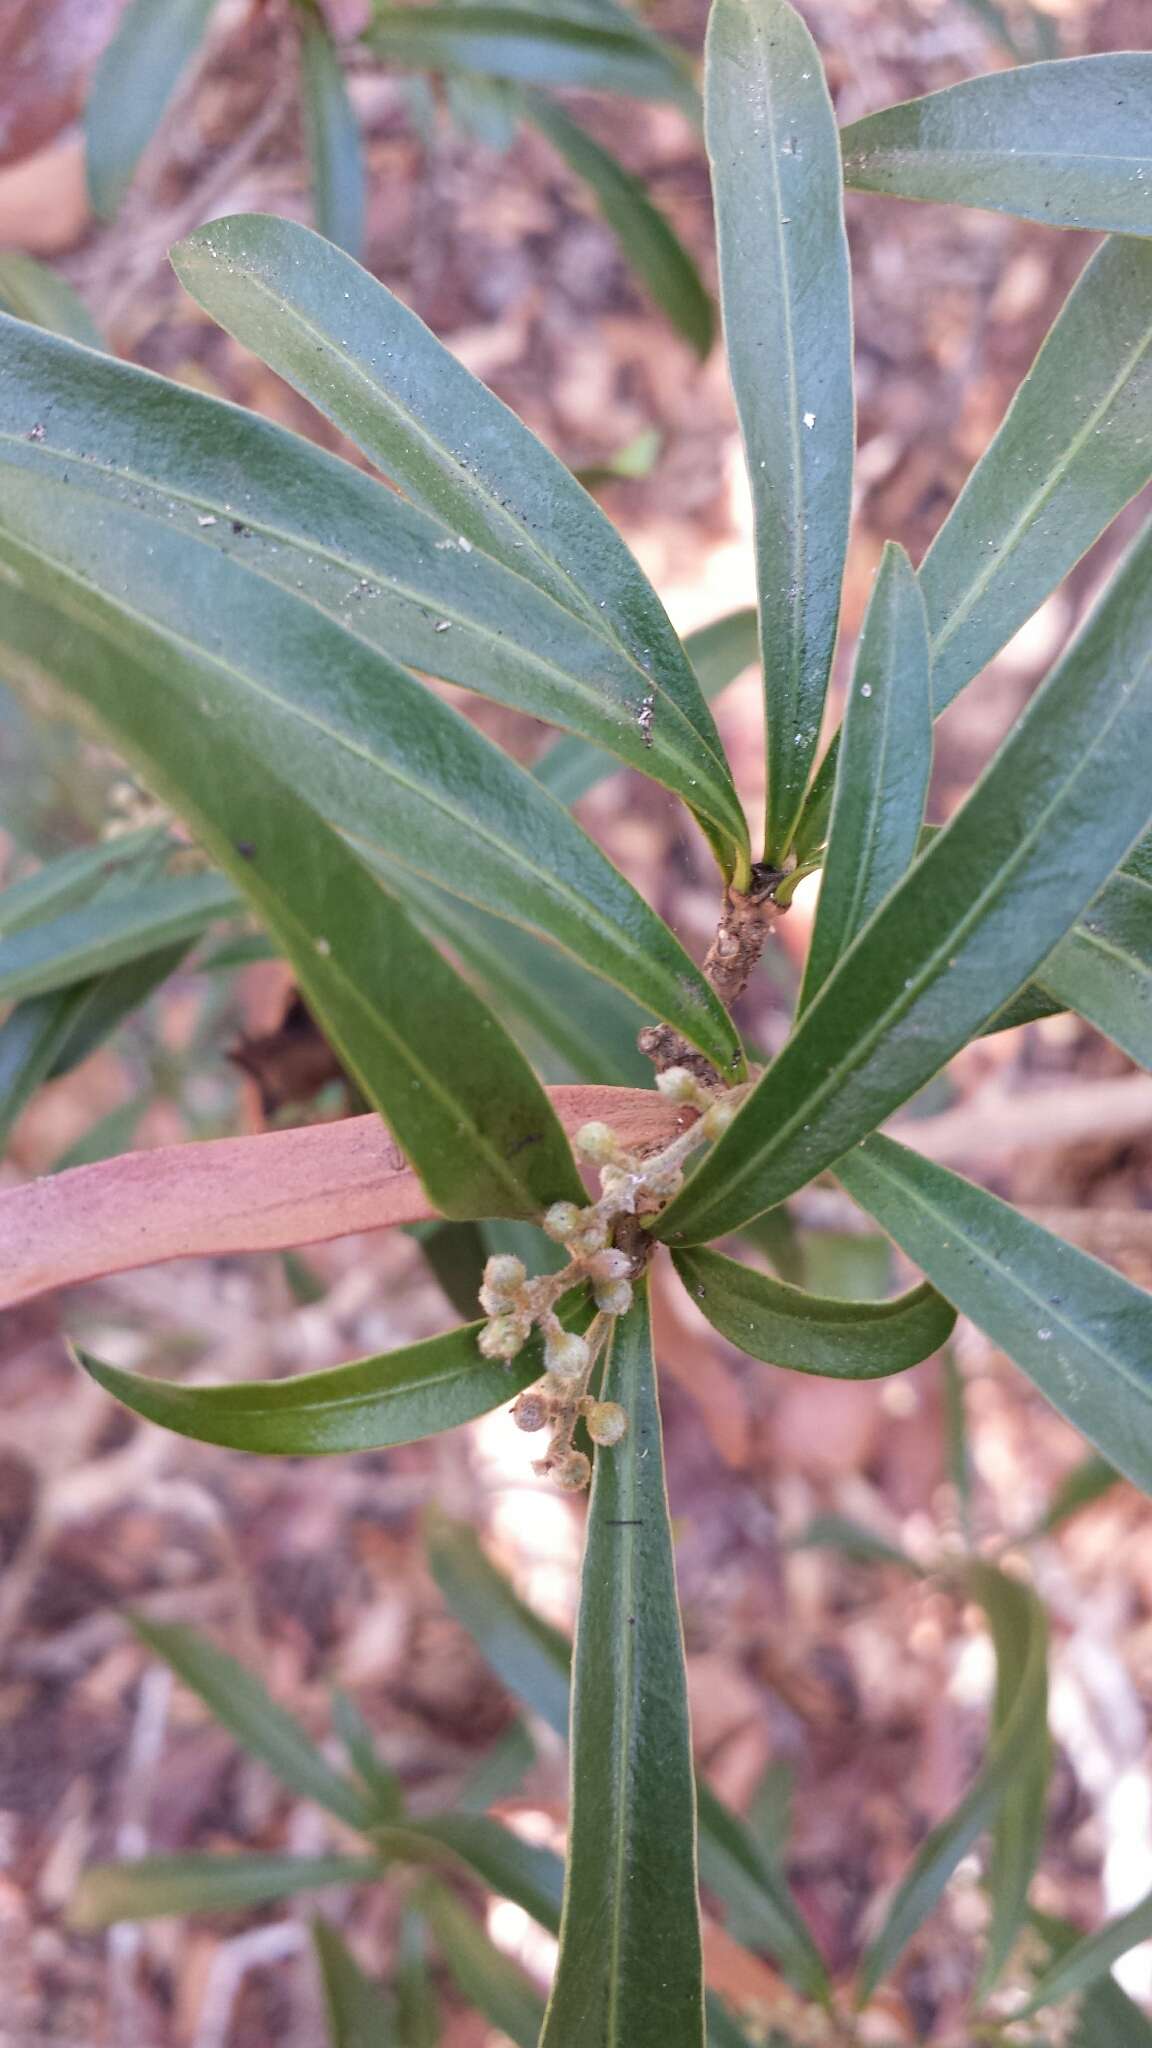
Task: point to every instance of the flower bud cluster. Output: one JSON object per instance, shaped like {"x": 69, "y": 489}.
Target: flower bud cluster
{"x": 631, "y": 1186}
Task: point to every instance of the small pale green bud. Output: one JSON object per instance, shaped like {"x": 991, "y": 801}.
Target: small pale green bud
{"x": 566, "y": 1357}
{"x": 561, "y": 1220}
{"x": 717, "y": 1119}
{"x": 606, "y": 1422}
{"x": 505, "y": 1336}
{"x": 610, "y": 1265}
{"x": 597, "y": 1142}
{"x": 532, "y": 1411}
{"x": 676, "y": 1084}
{"x": 505, "y": 1274}
{"x": 614, "y": 1297}
{"x": 572, "y": 1472}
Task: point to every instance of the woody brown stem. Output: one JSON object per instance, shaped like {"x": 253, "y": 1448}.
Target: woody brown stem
{"x": 746, "y": 918}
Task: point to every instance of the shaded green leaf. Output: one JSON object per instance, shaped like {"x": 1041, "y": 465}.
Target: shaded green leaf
{"x": 358, "y": 2014}
{"x": 885, "y": 761}
{"x": 991, "y": 896}
{"x": 651, "y": 245}
{"x": 530, "y": 1656}
{"x": 133, "y": 83}
{"x": 630, "y": 1960}
{"x": 814, "y": 1333}
{"x": 723, "y": 2031}
{"x": 370, "y": 1405}
{"x": 1067, "y": 143}
{"x": 499, "y": 1774}
{"x": 33, "y": 292}
{"x": 1103, "y": 969}
{"x": 1075, "y": 446}
{"x": 456, "y": 1254}
{"x": 1086, "y": 1483}
{"x": 1079, "y": 1330}
{"x": 1105, "y": 2016}
{"x": 1018, "y": 1830}
{"x": 534, "y": 48}
{"x": 752, "y": 1885}
{"x": 531, "y": 1876}
{"x": 788, "y": 324}
{"x": 1090, "y": 1958}
{"x": 352, "y": 1730}
{"x": 110, "y": 931}
{"x": 957, "y": 1442}
{"x": 496, "y": 1987}
{"x": 1012, "y": 1746}
{"x": 153, "y": 1887}
{"x": 417, "y": 2010}
{"x": 378, "y": 569}
{"x": 238, "y": 1700}
{"x": 72, "y": 879}
{"x": 333, "y": 134}
{"x": 851, "y": 1539}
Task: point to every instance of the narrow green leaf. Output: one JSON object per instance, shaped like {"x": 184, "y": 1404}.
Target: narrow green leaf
{"x": 723, "y": 2031}
{"x": 1075, "y": 446}
{"x": 1011, "y": 1746}
{"x": 1086, "y": 1483}
{"x": 133, "y": 83}
{"x": 1090, "y": 1958}
{"x": 1067, "y": 143}
{"x": 884, "y": 765}
{"x": 156, "y": 1886}
{"x": 504, "y": 1863}
{"x": 74, "y": 878}
{"x": 496, "y": 1987}
{"x": 456, "y": 1254}
{"x": 499, "y": 1774}
{"x": 1018, "y": 1831}
{"x": 630, "y": 1968}
{"x": 534, "y": 48}
{"x": 450, "y": 445}
{"x": 1105, "y": 2016}
{"x": 242, "y": 1705}
{"x": 110, "y": 931}
{"x": 417, "y": 2008}
{"x": 302, "y": 708}
{"x": 530, "y": 1656}
{"x": 1079, "y": 1330}
{"x": 851, "y": 1539}
{"x": 814, "y": 1333}
{"x": 651, "y": 245}
{"x": 333, "y": 133}
{"x": 370, "y": 1405}
{"x": 34, "y": 292}
{"x": 352, "y": 1729}
{"x": 788, "y": 323}
{"x": 378, "y": 568}
{"x": 358, "y": 2014}
{"x": 957, "y": 1442}
{"x": 761, "y": 1910}
{"x": 1103, "y": 969}
{"x": 1058, "y": 808}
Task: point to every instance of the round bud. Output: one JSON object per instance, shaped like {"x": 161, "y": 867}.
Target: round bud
{"x": 572, "y": 1472}
{"x": 606, "y": 1422}
{"x": 676, "y": 1084}
{"x": 610, "y": 1265}
{"x": 561, "y": 1220}
{"x": 505, "y": 1274}
{"x": 591, "y": 1237}
{"x": 532, "y": 1410}
{"x": 505, "y": 1336}
{"x": 567, "y": 1357}
{"x": 614, "y": 1297}
{"x": 597, "y": 1143}
{"x": 718, "y": 1118}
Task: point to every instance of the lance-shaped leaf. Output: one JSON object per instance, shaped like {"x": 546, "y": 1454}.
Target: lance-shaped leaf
{"x": 358, "y": 2014}
{"x": 816, "y": 1333}
{"x": 154, "y": 1887}
{"x": 333, "y": 134}
{"x": 349, "y": 1725}
{"x": 630, "y": 1969}
{"x": 651, "y": 245}
{"x": 1075, "y": 446}
{"x": 111, "y": 931}
{"x": 356, "y": 738}
{"x": 378, "y": 567}
{"x": 74, "y": 878}
{"x": 417, "y": 2006}
{"x": 498, "y": 1988}
{"x": 1014, "y": 1744}
{"x": 537, "y": 48}
{"x": 788, "y": 325}
{"x": 133, "y": 83}
{"x": 1067, "y": 143}
{"x": 1103, "y": 969}
{"x": 753, "y": 1887}
{"x": 34, "y": 292}
{"x": 241, "y": 1703}
{"x": 1056, "y": 811}
{"x": 371, "y": 366}
{"x": 456, "y": 1092}
{"x": 366, "y": 1406}
{"x": 1018, "y": 1831}
{"x": 1079, "y": 1330}
{"x": 1084, "y": 1962}
{"x": 531, "y": 1876}
{"x": 1086, "y": 1483}
{"x": 884, "y": 765}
